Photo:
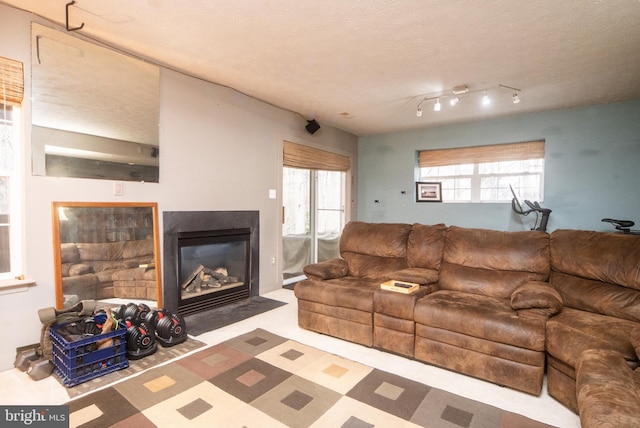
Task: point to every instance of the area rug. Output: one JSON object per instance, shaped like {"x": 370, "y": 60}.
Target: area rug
{"x": 162, "y": 355}
{"x": 260, "y": 379}
{"x": 203, "y": 322}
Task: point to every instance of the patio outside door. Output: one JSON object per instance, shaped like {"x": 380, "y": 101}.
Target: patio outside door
{"x": 313, "y": 218}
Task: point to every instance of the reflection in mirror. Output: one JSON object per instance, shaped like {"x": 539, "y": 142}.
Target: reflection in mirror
{"x": 107, "y": 252}
{"x": 95, "y": 111}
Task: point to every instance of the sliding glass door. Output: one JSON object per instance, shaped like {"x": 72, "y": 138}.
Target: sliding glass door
{"x": 313, "y": 218}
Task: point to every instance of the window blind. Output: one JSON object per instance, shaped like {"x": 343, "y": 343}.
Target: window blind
{"x": 11, "y": 82}
{"x": 300, "y": 156}
{"x": 481, "y": 154}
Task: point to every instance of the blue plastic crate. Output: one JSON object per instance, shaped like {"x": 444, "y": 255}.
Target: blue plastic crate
{"x": 79, "y": 361}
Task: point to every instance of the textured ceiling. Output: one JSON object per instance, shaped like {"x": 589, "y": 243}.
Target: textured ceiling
{"x": 364, "y": 65}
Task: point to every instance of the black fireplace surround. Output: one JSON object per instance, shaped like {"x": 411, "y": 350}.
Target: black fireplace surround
{"x": 217, "y": 224}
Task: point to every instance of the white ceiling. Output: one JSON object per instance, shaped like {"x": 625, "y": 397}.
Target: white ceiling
{"x": 364, "y": 65}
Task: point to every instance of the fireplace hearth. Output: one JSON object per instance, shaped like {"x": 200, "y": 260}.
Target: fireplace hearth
{"x": 210, "y": 259}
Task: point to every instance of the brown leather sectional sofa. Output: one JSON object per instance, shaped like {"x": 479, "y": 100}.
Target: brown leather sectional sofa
{"x": 110, "y": 269}
{"x": 501, "y": 306}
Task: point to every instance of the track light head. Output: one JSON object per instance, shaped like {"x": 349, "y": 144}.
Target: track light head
{"x": 419, "y": 111}
{"x": 455, "y": 100}
{"x": 516, "y": 98}
{"x": 485, "y": 99}
{"x": 436, "y": 106}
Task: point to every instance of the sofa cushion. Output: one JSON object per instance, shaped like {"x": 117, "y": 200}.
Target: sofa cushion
{"x": 349, "y": 292}
{"x": 493, "y": 263}
{"x": 425, "y": 246}
{"x": 105, "y": 251}
{"x": 416, "y": 275}
{"x": 606, "y": 257}
{"x": 140, "y": 248}
{"x": 635, "y": 340}
{"x": 571, "y": 332}
{"x": 598, "y": 297}
{"x": 69, "y": 253}
{"x": 480, "y": 316}
{"x": 374, "y": 250}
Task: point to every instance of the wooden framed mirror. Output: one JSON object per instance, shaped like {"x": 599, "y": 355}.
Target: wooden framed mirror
{"x": 106, "y": 251}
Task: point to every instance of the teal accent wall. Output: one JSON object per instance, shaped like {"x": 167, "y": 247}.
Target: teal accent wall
{"x": 592, "y": 169}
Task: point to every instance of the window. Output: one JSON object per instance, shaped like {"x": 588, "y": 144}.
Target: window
{"x": 314, "y": 195}
{"x": 484, "y": 173}
{"x": 11, "y": 90}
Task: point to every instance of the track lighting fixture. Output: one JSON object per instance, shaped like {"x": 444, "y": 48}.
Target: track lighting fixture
{"x": 456, "y": 93}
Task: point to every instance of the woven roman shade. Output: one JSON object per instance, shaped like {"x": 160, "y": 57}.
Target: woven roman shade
{"x": 481, "y": 154}
{"x": 11, "y": 82}
{"x": 300, "y": 156}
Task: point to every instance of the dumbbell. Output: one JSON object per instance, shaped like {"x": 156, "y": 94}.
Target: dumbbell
{"x": 141, "y": 339}
{"x": 170, "y": 328}
{"x": 132, "y": 311}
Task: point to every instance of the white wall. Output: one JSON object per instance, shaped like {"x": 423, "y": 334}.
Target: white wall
{"x": 219, "y": 150}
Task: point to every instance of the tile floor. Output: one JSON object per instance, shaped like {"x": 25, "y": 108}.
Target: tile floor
{"x": 18, "y": 388}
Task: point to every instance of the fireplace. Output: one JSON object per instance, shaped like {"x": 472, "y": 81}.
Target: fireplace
{"x": 210, "y": 259}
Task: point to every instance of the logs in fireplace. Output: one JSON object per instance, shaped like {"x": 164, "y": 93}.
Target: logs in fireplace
{"x": 204, "y": 278}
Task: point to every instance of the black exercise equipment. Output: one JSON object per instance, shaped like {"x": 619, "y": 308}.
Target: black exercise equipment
{"x": 43, "y": 366}
{"x": 623, "y": 225}
{"x": 132, "y": 311}
{"x": 170, "y": 328}
{"x": 141, "y": 340}
{"x": 24, "y": 355}
{"x": 39, "y": 369}
{"x": 534, "y": 207}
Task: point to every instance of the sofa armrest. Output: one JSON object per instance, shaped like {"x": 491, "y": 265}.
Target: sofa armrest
{"x": 416, "y": 275}
{"x": 606, "y": 390}
{"x": 334, "y": 268}
{"x": 80, "y": 269}
{"x": 537, "y": 296}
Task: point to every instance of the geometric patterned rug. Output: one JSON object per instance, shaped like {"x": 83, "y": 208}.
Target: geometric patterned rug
{"x": 260, "y": 379}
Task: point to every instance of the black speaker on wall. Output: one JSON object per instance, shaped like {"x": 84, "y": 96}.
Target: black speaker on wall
{"x": 312, "y": 126}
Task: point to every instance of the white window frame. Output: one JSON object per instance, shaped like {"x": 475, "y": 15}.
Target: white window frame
{"x": 16, "y": 271}
{"x": 476, "y": 178}
{"x": 526, "y": 176}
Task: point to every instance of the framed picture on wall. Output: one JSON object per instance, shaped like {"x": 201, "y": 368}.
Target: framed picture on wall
{"x": 428, "y": 192}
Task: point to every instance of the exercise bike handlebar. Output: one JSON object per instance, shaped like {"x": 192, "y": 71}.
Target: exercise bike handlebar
{"x": 534, "y": 207}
